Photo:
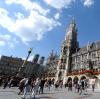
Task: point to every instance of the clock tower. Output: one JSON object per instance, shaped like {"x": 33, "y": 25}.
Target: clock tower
{"x": 69, "y": 46}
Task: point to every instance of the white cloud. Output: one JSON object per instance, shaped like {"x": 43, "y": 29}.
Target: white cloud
{"x": 6, "y": 40}
{"x": 28, "y": 28}
{"x": 31, "y": 57}
{"x": 2, "y": 43}
{"x": 57, "y": 16}
{"x": 88, "y": 3}
{"x": 59, "y": 4}
{"x": 33, "y": 27}
{"x": 19, "y": 15}
{"x": 5, "y": 20}
{"x": 15, "y": 41}
{"x": 28, "y": 5}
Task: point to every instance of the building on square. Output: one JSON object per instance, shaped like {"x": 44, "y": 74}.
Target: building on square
{"x": 9, "y": 66}
{"x": 77, "y": 63}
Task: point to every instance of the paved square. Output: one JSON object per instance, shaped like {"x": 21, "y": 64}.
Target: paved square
{"x": 12, "y": 93}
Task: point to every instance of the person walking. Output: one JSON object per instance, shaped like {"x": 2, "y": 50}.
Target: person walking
{"x": 10, "y": 82}
{"x": 56, "y": 85}
{"x": 49, "y": 84}
{"x": 81, "y": 86}
{"x": 70, "y": 85}
{"x": 21, "y": 86}
{"x": 66, "y": 84}
{"x": 78, "y": 86}
{"x": 27, "y": 87}
{"x": 5, "y": 83}
{"x": 86, "y": 84}
{"x": 61, "y": 84}
{"x": 35, "y": 88}
{"x": 42, "y": 82}
{"x": 1, "y": 81}
{"x": 93, "y": 85}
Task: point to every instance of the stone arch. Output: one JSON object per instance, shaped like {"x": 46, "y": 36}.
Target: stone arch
{"x": 75, "y": 79}
{"x": 82, "y": 77}
{"x": 69, "y": 79}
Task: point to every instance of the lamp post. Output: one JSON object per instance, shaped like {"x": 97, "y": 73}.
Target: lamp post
{"x": 21, "y": 69}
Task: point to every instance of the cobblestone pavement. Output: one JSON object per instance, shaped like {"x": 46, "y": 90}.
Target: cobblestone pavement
{"x": 53, "y": 94}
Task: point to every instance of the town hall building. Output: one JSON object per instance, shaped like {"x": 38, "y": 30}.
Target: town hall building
{"x": 77, "y": 63}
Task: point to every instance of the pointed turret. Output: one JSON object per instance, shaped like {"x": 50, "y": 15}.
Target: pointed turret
{"x": 52, "y": 52}
{"x": 51, "y": 56}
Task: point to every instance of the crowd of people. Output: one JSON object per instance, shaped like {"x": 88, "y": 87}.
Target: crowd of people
{"x": 9, "y": 81}
{"x": 25, "y": 85}
{"x": 36, "y": 86}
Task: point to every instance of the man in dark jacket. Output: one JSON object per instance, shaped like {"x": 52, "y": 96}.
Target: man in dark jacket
{"x": 42, "y": 82}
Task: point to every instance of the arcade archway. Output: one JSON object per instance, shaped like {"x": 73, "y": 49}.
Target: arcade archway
{"x": 83, "y": 77}
{"x": 75, "y": 80}
{"x": 69, "y": 79}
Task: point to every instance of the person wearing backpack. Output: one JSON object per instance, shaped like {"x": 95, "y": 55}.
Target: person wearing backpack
{"x": 21, "y": 86}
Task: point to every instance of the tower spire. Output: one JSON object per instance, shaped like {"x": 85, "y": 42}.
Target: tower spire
{"x": 71, "y": 35}
{"x": 71, "y": 30}
{"x": 73, "y": 20}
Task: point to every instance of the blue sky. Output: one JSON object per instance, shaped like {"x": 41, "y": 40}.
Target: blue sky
{"x": 42, "y": 24}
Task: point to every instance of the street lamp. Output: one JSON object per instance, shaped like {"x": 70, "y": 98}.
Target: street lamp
{"x": 21, "y": 69}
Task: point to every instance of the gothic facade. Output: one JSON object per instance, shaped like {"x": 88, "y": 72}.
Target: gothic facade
{"x": 75, "y": 61}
